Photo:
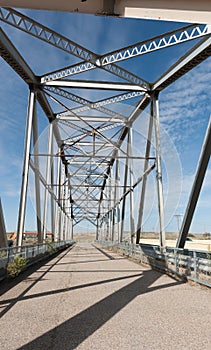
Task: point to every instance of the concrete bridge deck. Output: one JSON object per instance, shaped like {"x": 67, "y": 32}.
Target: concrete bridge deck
{"x": 86, "y": 298}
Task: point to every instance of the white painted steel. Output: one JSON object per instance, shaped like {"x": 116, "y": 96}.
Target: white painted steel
{"x": 36, "y": 174}
{"x": 91, "y": 137}
{"x": 178, "y": 10}
{"x": 25, "y": 173}
{"x": 158, "y": 163}
{"x": 94, "y": 85}
{"x": 48, "y": 175}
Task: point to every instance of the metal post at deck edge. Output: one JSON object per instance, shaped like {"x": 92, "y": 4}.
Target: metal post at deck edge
{"x": 36, "y": 175}
{"x": 131, "y": 181}
{"x": 196, "y": 188}
{"x": 52, "y": 198}
{"x": 25, "y": 172}
{"x": 48, "y": 173}
{"x": 124, "y": 199}
{"x": 144, "y": 181}
{"x": 58, "y": 196}
{"x": 156, "y": 118}
{"x": 97, "y": 230}
{"x": 116, "y": 204}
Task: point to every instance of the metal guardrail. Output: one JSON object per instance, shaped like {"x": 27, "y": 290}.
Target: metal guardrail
{"x": 190, "y": 264}
{"x": 30, "y": 252}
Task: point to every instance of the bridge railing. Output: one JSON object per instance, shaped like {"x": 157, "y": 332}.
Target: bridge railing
{"x": 32, "y": 253}
{"x": 190, "y": 264}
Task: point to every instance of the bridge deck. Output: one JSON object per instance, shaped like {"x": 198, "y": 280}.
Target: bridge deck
{"x": 87, "y": 299}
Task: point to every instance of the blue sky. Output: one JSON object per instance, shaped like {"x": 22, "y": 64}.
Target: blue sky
{"x": 184, "y": 106}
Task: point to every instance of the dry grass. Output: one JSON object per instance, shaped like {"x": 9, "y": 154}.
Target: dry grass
{"x": 84, "y": 237}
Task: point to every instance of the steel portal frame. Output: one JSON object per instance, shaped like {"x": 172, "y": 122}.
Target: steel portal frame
{"x": 84, "y": 151}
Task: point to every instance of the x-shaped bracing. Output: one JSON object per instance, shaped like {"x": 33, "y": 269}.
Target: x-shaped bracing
{"x": 90, "y": 145}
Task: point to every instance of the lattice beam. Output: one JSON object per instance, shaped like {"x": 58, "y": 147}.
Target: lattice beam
{"x": 159, "y": 42}
{"x": 34, "y": 28}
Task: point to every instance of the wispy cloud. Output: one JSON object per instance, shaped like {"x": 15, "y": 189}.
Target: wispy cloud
{"x": 187, "y": 102}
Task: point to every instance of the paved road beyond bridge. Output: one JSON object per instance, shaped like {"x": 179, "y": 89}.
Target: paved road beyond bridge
{"x": 87, "y": 299}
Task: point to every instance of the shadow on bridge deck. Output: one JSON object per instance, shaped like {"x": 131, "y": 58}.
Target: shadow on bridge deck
{"x": 78, "y": 328}
{"x": 94, "y": 301}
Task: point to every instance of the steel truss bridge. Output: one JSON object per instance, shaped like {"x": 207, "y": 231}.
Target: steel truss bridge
{"x": 88, "y": 139}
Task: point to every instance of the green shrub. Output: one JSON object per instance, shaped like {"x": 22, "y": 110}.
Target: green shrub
{"x": 3, "y": 254}
{"x": 51, "y": 248}
{"x": 15, "y": 268}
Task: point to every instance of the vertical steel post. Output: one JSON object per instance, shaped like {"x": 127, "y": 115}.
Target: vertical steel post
{"x": 107, "y": 227}
{"x": 58, "y": 209}
{"x": 113, "y": 224}
{"x": 67, "y": 228}
{"x": 103, "y": 217}
{"x": 114, "y": 202}
{"x": 124, "y": 199}
{"x": 48, "y": 173}
{"x": 131, "y": 180}
{"x": 71, "y": 229}
{"x": 52, "y": 197}
{"x": 159, "y": 170}
{"x": 117, "y": 200}
{"x": 62, "y": 186}
{"x": 144, "y": 181}
{"x": 195, "y": 261}
{"x": 118, "y": 223}
{"x": 110, "y": 201}
{"x": 71, "y": 219}
{"x": 36, "y": 175}
{"x": 107, "y": 215}
{"x": 97, "y": 230}
{"x": 25, "y": 173}
{"x": 64, "y": 227}
{"x": 61, "y": 223}
{"x": 65, "y": 210}
{"x": 196, "y": 188}
{"x": 104, "y": 229}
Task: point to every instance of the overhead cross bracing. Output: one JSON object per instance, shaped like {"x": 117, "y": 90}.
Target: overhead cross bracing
{"x": 86, "y": 170}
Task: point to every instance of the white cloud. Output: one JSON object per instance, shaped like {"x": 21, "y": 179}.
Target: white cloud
{"x": 188, "y": 98}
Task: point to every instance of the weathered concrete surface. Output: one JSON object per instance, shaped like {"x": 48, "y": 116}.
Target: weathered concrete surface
{"x": 84, "y": 299}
